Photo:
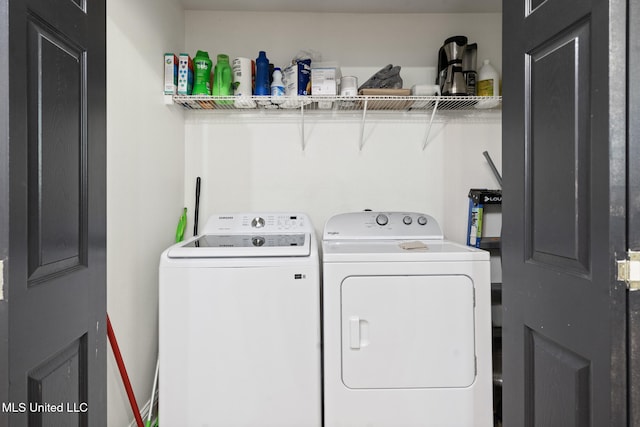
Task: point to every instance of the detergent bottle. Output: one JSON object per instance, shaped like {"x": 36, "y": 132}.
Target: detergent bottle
{"x": 201, "y": 81}
{"x": 222, "y": 77}
{"x": 262, "y": 75}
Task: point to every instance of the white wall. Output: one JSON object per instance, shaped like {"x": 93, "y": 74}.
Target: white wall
{"x": 255, "y": 165}
{"x": 249, "y": 163}
{"x": 145, "y": 178}
{"x": 408, "y": 40}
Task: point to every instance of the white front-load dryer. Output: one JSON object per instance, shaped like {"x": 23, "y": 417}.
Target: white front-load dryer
{"x": 407, "y": 325}
{"x": 239, "y": 323}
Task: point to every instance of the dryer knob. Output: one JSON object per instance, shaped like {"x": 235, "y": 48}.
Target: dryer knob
{"x": 257, "y": 222}
{"x": 382, "y": 219}
{"x": 258, "y": 241}
{"x": 422, "y": 220}
{"x": 407, "y": 220}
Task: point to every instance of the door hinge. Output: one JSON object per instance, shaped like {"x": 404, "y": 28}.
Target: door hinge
{"x": 629, "y": 270}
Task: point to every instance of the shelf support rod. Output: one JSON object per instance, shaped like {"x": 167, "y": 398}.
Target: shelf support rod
{"x": 364, "y": 118}
{"x": 433, "y": 114}
{"x": 302, "y": 125}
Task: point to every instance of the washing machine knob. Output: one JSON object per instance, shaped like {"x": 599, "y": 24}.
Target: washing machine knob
{"x": 407, "y": 220}
{"x": 257, "y": 241}
{"x": 257, "y": 222}
{"x": 422, "y": 220}
{"x": 382, "y": 219}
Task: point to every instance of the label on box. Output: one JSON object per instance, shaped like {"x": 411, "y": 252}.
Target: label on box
{"x": 185, "y": 74}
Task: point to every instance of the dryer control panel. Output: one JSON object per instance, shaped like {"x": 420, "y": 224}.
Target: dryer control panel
{"x": 382, "y": 226}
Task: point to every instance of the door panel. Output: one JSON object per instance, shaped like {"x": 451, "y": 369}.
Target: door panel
{"x": 558, "y": 202}
{"x": 63, "y": 379}
{"x": 557, "y": 384}
{"x": 54, "y": 291}
{"x": 57, "y": 153}
{"x": 564, "y": 329}
{"x": 408, "y": 332}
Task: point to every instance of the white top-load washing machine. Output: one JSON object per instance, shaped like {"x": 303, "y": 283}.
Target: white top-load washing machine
{"x": 239, "y": 323}
{"x": 407, "y": 324}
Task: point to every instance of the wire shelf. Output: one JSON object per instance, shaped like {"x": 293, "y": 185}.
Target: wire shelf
{"x": 455, "y": 106}
{"x": 339, "y": 103}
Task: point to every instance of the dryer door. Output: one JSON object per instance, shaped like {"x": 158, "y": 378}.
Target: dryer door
{"x": 408, "y": 332}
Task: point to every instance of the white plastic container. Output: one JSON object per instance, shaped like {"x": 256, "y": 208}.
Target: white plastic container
{"x": 243, "y": 71}
{"x": 349, "y": 86}
{"x": 242, "y": 76}
{"x": 277, "y": 87}
{"x": 488, "y": 84}
{"x": 488, "y": 80}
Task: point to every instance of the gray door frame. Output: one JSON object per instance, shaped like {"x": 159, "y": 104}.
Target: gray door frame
{"x": 633, "y": 198}
{"x": 4, "y": 201}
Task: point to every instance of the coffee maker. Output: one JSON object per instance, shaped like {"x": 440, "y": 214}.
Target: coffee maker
{"x": 450, "y": 76}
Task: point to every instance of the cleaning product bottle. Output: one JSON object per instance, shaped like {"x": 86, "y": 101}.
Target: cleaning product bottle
{"x": 488, "y": 83}
{"x": 277, "y": 87}
{"x": 201, "y": 81}
{"x": 262, "y": 75}
{"x": 222, "y": 79}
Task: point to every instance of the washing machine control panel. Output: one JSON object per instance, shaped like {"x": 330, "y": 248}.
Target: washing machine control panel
{"x": 382, "y": 225}
{"x": 254, "y": 222}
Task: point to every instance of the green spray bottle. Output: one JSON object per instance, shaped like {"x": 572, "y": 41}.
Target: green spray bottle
{"x": 201, "y": 81}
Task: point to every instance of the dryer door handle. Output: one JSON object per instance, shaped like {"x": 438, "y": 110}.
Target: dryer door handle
{"x": 354, "y": 332}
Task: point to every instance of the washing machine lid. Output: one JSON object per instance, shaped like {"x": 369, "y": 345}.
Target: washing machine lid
{"x": 244, "y": 246}
{"x": 399, "y": 250}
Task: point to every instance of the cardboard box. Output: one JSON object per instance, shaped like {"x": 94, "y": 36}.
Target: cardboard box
{"x": 324, "y": 81}
{"x": 386, "y": 104}
{"x": 296, "y": 78}
{"x": 185, "y": 74}
{"x": 170, "y": 74}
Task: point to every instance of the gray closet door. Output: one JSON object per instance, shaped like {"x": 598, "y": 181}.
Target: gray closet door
{"x": 564, "y": 207}
{"x": 52, "y": 212}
